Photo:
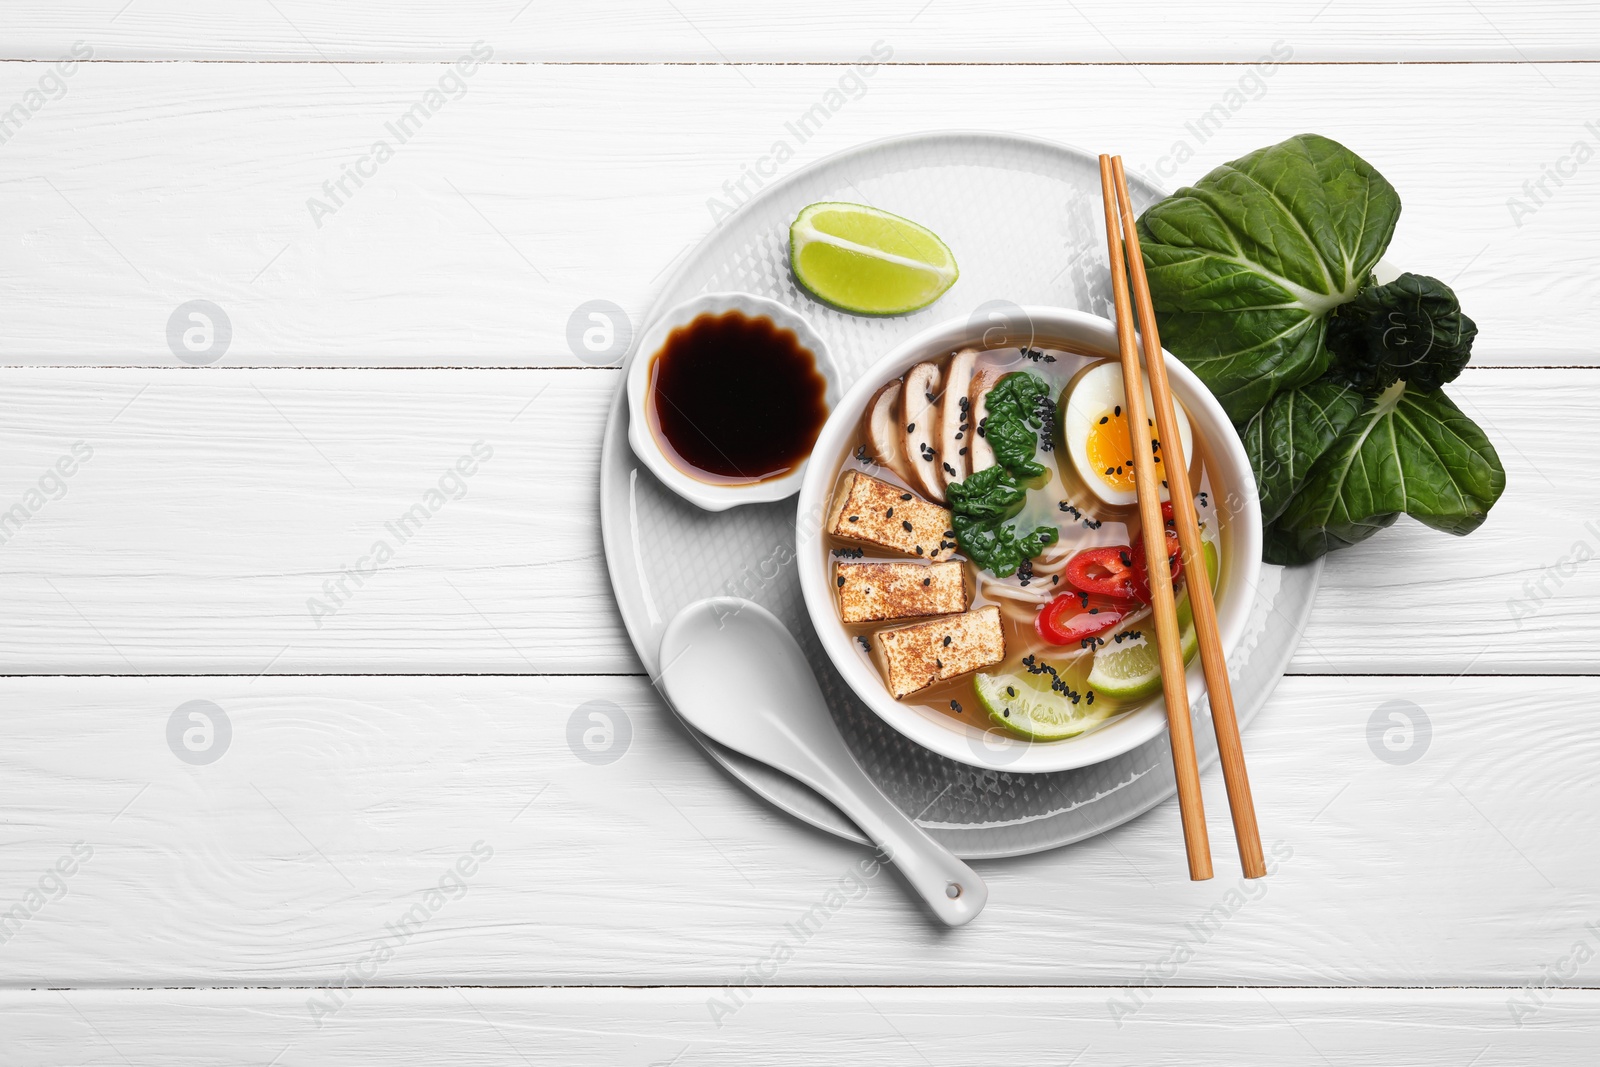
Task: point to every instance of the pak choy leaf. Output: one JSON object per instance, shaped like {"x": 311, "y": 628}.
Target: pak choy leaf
{"x": 1246, "y": 264}
{"x": 1410, "y": 330}
{"x": 1410, "y": 452}
{"x": 1285, "y": 439}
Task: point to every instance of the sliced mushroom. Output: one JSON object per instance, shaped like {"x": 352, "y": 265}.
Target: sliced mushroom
{"x": 980, "y": 455}
{"x": 955, "y": 411}
{"x": 920, "y": 409}
{"x": 885, "y": 433}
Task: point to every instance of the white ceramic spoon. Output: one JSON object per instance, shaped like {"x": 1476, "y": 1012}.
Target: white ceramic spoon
{"x": 735, "y": 673}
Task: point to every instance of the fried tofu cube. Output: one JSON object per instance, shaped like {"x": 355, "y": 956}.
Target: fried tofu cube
{"x": 875, "y": 592}
{"x": 877, "y": 513}
{"x": 914, "y": 657}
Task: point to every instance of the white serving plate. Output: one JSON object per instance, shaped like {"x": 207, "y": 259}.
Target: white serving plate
{"x": 1023, "y": 216}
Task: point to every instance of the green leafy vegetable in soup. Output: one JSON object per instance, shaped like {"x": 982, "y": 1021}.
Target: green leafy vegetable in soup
{"x": 1019, "y": 409}
{"x": 990, "y": 496}
{"x": 1261, "y": 275}
{"x": 998, "y": 548}
{"x": 1020, "y": 414}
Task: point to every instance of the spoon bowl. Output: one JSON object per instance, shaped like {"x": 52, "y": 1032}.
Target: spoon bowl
{"x": 736, "y": 674}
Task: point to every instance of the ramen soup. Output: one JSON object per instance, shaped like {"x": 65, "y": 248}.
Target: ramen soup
{"x": 985, "y": 545}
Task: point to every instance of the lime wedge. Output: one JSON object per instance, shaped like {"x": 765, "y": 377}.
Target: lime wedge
{"x": 860, "y": 259}
{"x": 1130, "y": 669}
{"x": 1026, "y": 704}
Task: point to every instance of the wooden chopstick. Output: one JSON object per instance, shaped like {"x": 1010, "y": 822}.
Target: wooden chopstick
{"x": 1229, "y": 748}
{"x": 1147, "y": 484}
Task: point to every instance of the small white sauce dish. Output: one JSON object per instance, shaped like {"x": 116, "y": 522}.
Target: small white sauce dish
{"x": 706, "y": 494}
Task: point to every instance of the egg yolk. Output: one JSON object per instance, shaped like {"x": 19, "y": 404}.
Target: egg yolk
{"x": 1110, "y": 450}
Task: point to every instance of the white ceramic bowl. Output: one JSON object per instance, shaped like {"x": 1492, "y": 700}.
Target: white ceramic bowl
{"x": 973, "y": 744}
{"x": 714, "y": 496}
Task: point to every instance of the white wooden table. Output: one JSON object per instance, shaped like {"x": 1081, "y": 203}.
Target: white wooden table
{"x": 400, "y": 858}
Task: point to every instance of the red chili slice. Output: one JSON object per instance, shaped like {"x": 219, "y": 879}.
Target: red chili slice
{"x": 1107, "y": 571}
{"x": 1141, "y": 571}
{"x": 1072, "y": 617}
{"x": 1119, "y": 570}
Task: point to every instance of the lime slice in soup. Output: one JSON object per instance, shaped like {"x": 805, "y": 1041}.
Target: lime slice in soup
{"x": 1026, "y": 704}
{"x": 1130, "y": 668}
{"x": 868, "y": 261}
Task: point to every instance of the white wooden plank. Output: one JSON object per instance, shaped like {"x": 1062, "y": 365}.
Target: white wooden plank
{"x": 781, "y": 1027}
{"x": 544, "y": 187}
{"x": 339, "y": 802}
{"x": 711, "y": 31}
{"x": 217, "y": 504}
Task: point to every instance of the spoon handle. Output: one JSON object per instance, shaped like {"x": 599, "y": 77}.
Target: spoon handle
{"x": 951, "y": 889}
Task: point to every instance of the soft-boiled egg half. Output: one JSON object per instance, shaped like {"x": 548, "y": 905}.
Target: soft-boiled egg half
{"x": 1095, "y": 425}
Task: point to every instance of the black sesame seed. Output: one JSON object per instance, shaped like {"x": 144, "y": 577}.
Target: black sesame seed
{"x": 927, "y": 581}
{"x": 1007, "y": 712}
{"x": 937, "y": 662}
{"x": 911, "y": 427}
{"x": 905, "y": 496}
{"x": 1010, "y": 692}
{"x": 905, "y": 524}
{"x": 1104, "y": 419}
{"x": 889, "y": 514}
{"x": 1089, "y": 696}
{"x": 841, "y": 581}
{"x": 955, "y": 706}
{"x": 1117, "y": 410}
{"x": 946, "y": 640}
{"x": 855, "y": 518}
{"x": 919, "y": 550}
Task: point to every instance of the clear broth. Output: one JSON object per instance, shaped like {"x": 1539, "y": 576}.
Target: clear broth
{"x": 956, "y": 697}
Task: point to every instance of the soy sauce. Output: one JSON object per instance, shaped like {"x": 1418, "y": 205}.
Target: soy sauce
{"x": 735, "y": 399}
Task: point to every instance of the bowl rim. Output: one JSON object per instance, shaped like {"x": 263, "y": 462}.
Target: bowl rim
{"x": 991, "y": 748}
{"x": 712, "y": 496}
